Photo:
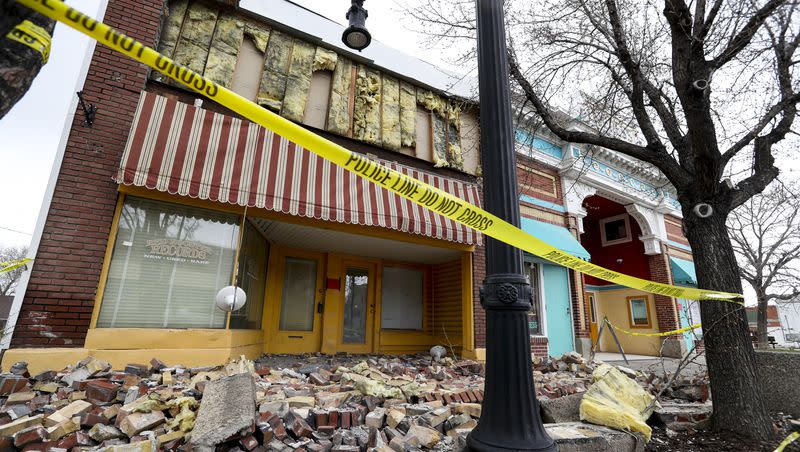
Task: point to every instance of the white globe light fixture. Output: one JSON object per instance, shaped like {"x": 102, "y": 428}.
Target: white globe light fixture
{"x": 230, "y": 298}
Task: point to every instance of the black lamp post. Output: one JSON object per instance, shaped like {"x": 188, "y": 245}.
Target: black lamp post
{"x": 510, "y": 417}
{"x": 356, "y": 35}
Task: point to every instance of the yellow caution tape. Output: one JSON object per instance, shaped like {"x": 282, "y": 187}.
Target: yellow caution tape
{"x": 33, "y": 36}
{"x": 405, "y": 186}
{"x": 6, "y": 267}
{"x": 663, "y": 333}
{"x": 789, "y": 440}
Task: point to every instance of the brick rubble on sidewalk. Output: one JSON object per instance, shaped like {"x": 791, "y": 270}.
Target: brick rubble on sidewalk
{"x": 308, "y": 403}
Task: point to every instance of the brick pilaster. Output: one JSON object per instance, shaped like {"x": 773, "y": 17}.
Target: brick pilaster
{"x": 666, "y": 308}
{"x": 60, "y": 297}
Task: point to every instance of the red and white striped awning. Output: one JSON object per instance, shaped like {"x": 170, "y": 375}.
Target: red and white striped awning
{"x": 180, "y": 149}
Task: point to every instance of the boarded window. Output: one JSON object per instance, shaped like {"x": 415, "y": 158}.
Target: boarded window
{"x": 402, "y": 298}
{"x": 424, "y": 138}
{"x": 247, "y": 76}
{"x": 318, "y": 99}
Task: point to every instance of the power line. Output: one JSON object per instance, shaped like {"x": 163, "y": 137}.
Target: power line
{"x": 14, "y": 230}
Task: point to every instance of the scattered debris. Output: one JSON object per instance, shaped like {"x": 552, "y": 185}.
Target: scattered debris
{"x": 308, "y": 402}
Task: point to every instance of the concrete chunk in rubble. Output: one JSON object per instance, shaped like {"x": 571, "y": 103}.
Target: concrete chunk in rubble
{"x": 579, "y": 437}
{"x": 562, "y": 409}
{"x": 228, "y": 406}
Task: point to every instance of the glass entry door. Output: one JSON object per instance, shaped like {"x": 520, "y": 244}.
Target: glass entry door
{"x": 358, "y": 306}
{"x": 297, "y": 299}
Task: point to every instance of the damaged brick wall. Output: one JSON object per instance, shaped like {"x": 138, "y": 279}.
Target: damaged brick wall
{"x": 58, "y": 303}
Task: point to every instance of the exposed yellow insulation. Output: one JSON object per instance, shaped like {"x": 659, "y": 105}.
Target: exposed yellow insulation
{"x": 453, "y": 113}
{"x": 454, "y": 156}
{"x": 408, "y": 115}
{"x": 298, "y": 82}
{"x": 276, "y": 67}
{"x": 224, "y": 50}
{"x": 324, "y": 59}
{"x": 439, "y": 142}
{"x": 172, "y": 27}
{"x": 390, "y": 114}
{"x": 432, "y": 102}
{"x": 616, "y": 401}
{"x": 195, "y": 40}
{"x": 339, "y": 112}
{"x": 259, "y": 35}
{"x": 367, "y": 115}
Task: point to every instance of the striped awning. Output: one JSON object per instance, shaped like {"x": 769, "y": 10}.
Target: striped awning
{"x": 180, "y": 149}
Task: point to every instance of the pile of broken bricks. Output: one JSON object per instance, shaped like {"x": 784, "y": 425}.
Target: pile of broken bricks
{"x": 382, "y": 403}
{"x": 341, "y": 403}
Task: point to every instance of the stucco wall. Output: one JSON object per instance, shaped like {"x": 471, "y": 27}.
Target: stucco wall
{"x": 614, "y": 305}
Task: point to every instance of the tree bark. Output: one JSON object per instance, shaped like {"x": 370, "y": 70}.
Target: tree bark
{"x": 738, "y": 405}
{"x": 19, "y": 64}
{"x": 761, "y": 320}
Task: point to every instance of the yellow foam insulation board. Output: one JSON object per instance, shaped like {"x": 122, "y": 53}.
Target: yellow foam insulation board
{"x": 325, "y": 60}
{"x": 366, "y": 115}
{"x": 339, "y": 111}
{"x": 259, "y": 35}
{"x": 616, "y": 401}
{"x": 224, "y": 50}
{"x": 276, "y": 67}
{"x": 298, "y": 82}
{"x": 172, "y": 27}
{"x": 195, "y": 40}
{"x": 408, "y": 115}
{"x": 390, "y": 114}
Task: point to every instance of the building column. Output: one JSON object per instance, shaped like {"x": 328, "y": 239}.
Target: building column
{"x": 666, "y": 307}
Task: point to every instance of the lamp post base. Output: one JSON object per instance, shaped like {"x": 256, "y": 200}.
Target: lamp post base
{"x": 476, "y": 445}
{"x": 510, "y": 417}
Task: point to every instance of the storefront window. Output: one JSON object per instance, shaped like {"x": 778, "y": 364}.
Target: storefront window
{"x": 402, "y": 298}
{"x": 169, "y": 262}
{"x": 252, "y": 278}
{"x": 534, "y": 320}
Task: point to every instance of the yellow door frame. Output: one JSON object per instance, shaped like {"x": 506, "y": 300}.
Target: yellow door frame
{"x": 593, "y": 314}
{"x": 371, "y": 335}
{"x": 275, "y": 339}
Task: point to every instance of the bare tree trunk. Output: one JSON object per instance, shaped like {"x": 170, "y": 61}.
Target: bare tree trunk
{"x": 19, "y": 64}
{"x": 761, "y": 320}
{"x": 738, "y": 404}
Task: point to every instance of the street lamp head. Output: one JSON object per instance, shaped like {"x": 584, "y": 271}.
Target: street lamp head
{"x": 356, "y": 35}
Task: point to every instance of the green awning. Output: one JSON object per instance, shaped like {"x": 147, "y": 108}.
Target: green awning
{"x": 683, "y": 271}
{"x": 558, "y": 236}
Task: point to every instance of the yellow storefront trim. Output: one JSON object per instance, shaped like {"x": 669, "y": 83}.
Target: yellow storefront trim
{"x": 153, "y": 338}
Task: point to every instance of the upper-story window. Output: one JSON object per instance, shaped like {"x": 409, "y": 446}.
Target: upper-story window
{"x": 615, "y": 230}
